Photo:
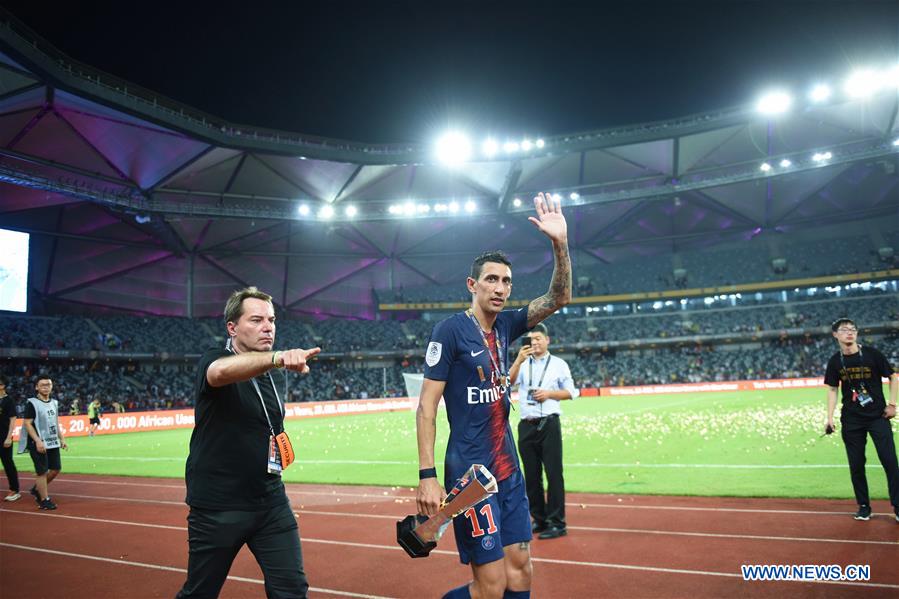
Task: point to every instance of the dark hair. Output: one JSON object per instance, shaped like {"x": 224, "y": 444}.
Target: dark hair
{"x": 540, "y": 328}
{"x": 841, "y": 321}
{"x": 492, "y": 256}
{"x": 42, "y": 377}
{"x": 234, "y": 305}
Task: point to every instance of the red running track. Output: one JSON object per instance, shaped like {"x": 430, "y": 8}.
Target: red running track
{"x": 116, "y": 537}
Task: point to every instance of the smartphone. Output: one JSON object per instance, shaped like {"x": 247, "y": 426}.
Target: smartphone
{"x": 525, "y": 341}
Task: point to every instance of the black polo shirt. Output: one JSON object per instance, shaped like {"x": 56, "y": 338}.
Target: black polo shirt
{"x": 226, "y": 468}
{"x": 7, "y": 411}
{"x": 865, "y": 368}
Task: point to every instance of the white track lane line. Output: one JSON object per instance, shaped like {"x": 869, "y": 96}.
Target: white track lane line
{"x": 447, "y": 553}
{"x": 574, "y": 504}
{"x": 171, "y": 569}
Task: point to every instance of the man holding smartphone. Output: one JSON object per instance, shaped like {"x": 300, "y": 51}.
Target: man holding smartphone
{"x": 543, "y": 381}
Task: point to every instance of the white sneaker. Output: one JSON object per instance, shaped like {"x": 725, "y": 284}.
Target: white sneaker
{"x": 12, "y": 497}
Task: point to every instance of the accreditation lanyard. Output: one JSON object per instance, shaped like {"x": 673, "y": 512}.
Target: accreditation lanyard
{"x": 531, "y": 377}
{"x": 860, "y": 363}
{"x": 500, "y": 372}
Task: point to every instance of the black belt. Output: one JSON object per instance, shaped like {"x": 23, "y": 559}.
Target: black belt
{"x": 539, "y": 420}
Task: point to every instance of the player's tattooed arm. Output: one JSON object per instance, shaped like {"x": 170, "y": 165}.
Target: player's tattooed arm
{"x": 559, "y": 293}
{"x": 551, "y": 222}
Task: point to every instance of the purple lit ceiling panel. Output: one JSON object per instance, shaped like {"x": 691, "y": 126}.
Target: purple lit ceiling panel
{"x": 858, "y": 119}
{"x": 144, "y": 154}
{"x": 264, "y": 272}
{"x": 308, "y": 277}
{"x": 392, "y": 186}
{"x": 789, "y": 191}
{"x": 190, "y": 230}
{"x": 30, "y": 99}
{"x": 487, "y": 175}
{"x": 12, "y": 124}
{"x": 748, "y": 198}
{"x": 14, "y": 199}
{"x": 208, "y": 173}
{"x": 257, "y": 178}
{"x": 9, "y": 61}
{"x": 435, "y": 182}
{"x": 656, "y": 156}
{"x": 92, "y": 220}
{"x": 222, "y": 231}
{"x": 560, "y": 172}
{"x": 320, "y": 178}
{"x": 696, "y": 148}
{"x": 588, "y": 221}
{"x": 212, "y": 286}
{"x": 748, "y": 144}
{"x": 367, "y": 176}
{"x": 81, "y": 262}
{"x": 266, "y": 236}
{"x": 861, "y": 189}
{"x": 399, "y": 236}
{"x": 10, "y": 81}
{"x": 532, "y": 167}
{"x": 351, "y": 297}
{"x": 604, "y": 167}
{"x": 54, "y": 139}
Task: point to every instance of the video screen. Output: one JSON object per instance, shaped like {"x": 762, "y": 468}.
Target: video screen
{"x": 13, "y": 271}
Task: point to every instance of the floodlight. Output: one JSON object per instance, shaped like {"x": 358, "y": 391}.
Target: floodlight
{"x": 490, "y": 147}
{"x": 896, "y": 142}
{"x": 454, "y": 207}
{"x": 776, "y": 102}
{"x": 785, "y": 163}
{"x": 423, "y": 208}
{"x": 303, "y": 210}
{"x": 862, "y": 84}
{"x": 510, "y": 146}
{"x": 394, "y": 209}
{"x": 517, "y": 201}
{"x": 350, "y": 211}
{"x": 326, "y": 212}
{"x": 409, "y": 208}
{"x": 822, "y": 156}
{"x": 540, "y": 143}
{"x": 439, "y": 207}
{"x": 574, "y": 195}
{"x": 526, "y": 145}
{"x": 557, "y": 197}
{"x": 765, "y": 167}
{"x": 453, "y": 148}
{"x": 820, "y": 93}
{"x": 470, "y": 206}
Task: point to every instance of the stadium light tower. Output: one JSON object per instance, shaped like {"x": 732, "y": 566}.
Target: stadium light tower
{"x": 453, "y": 148}
{"x": 776, "y": 102}
{"x": 820, "y": 93}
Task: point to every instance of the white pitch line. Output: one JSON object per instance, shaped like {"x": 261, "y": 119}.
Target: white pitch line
{"x": 171, "y": 569}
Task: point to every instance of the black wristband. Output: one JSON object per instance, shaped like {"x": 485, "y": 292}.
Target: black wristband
{"x": 427, "y": 473}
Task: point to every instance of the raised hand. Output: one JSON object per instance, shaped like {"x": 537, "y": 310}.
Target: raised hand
{"x": 549, "y": 218}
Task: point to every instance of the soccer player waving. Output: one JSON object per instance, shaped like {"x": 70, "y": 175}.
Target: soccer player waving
{"x": 467, "y": 364}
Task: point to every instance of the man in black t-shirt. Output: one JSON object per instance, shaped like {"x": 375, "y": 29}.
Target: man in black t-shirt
{"x": 7, "y": 425}
{"x": 233, "y": 472}
{"x": 858, "y": 370}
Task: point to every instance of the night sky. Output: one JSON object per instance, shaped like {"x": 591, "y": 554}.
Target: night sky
{"x": 386, "y": 72}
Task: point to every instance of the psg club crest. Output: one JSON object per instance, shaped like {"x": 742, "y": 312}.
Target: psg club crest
{"x": 432, "y": 356}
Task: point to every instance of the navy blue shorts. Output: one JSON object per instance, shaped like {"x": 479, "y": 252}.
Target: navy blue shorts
{"x": 500, "y": 520}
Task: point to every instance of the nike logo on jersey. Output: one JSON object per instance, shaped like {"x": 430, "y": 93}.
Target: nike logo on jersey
{"x": 475, "y": 354}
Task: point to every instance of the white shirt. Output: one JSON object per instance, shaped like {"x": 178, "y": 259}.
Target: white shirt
{"x": 557, "y": 377}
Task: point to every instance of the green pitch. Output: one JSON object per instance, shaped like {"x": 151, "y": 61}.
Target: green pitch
{"x": 742, "y": 444}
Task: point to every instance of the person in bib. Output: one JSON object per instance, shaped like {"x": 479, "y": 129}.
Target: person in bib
{"x": 238, "y": 450}
{"x": 42, "y": 438}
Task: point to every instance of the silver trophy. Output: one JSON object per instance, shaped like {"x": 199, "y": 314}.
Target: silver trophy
{"x": 418, "y": 534}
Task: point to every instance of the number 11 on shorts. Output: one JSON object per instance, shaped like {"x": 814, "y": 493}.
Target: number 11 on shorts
{"x": 476, "y": 530}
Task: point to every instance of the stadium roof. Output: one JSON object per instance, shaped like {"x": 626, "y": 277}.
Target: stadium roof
{"x": 140, "y": 203}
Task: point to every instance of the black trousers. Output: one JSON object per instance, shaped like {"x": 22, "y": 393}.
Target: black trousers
{"x": 215, "y": 537}
{"x": 855, "y": 433}
{"x": 9, "y": 466}
{"x": 540, "y": 446}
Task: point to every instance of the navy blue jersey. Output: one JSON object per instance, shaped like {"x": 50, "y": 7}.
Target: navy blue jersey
{"x": 477, "y": 403}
